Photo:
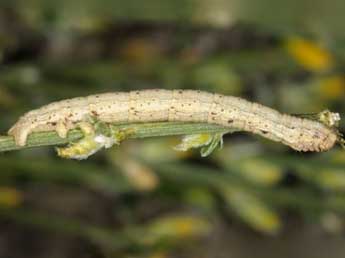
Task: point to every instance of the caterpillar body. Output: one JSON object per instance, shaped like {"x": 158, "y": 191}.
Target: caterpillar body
{"x": 178, "y": 105}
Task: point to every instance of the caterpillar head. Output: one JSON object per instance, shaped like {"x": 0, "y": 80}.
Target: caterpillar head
{"x": 331, "y": 120}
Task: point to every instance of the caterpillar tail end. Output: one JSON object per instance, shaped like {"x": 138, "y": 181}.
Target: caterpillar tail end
{"x": 19, "y": 133}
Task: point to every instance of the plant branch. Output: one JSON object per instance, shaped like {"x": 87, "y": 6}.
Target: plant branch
{"x": 137, "y": 130}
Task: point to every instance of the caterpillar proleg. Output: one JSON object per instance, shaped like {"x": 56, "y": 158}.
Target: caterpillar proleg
{"x": 156, "y": 105}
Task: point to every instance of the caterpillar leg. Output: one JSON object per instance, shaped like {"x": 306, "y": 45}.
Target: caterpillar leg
{"x": 20, "y": 134}
{"x": 61, "y": 129}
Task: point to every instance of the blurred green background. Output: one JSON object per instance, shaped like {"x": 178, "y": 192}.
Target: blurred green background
{"x": 253, "y": 198}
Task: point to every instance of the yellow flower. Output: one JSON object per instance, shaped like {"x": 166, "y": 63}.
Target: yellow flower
{"x": 310, "y": 55}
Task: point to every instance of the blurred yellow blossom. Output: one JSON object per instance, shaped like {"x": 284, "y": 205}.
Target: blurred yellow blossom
{"x": 140, "y": 175}
{"x": 179, "y": 227}
{"x": 260, "y": 171}
{"x": 331, "y": 88}
{"x": 309, "y": 54}
{"x": 10, "y": 197}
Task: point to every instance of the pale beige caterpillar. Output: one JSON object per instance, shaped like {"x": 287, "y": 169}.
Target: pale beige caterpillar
{"x": 178, "y": 105}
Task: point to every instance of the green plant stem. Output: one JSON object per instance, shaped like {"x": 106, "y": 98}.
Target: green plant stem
{"x": 137, "y": 130}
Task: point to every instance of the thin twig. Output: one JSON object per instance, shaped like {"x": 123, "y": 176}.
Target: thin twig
{"x": 137, "y": 130}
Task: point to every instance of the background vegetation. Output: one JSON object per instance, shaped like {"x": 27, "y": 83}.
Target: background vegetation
{"x": 253, "y": 198}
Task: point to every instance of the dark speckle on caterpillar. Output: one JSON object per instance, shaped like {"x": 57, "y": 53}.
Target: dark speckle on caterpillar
{"x": 156, "y": 105}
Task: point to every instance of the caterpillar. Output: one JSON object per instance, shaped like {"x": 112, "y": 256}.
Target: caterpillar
{"x": 156, "y": 105}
